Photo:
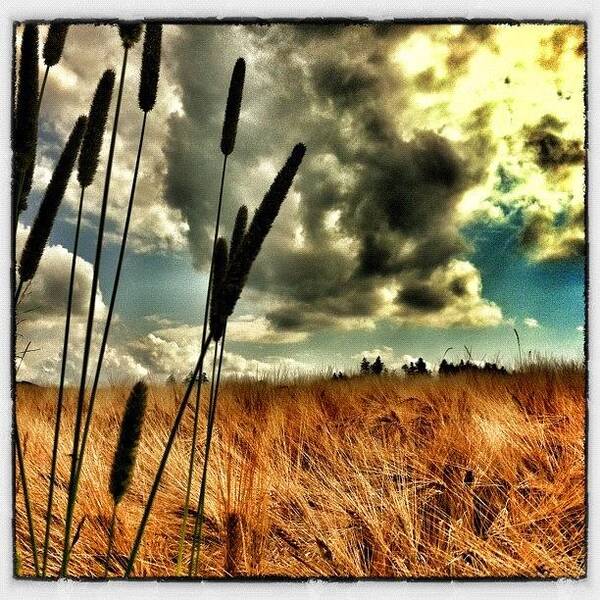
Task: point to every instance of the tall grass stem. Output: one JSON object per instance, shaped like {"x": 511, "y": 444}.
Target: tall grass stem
{"x": 111, "y": 307}
{"x": 163, "y": 462}
{"x": 73, "y": 481}
{"x": 190, "y": 474}
{"x": 61, "y": 387}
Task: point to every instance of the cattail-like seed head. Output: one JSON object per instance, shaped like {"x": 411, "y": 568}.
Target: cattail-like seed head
{"x": 216, "y": 301}
{"x": 129, "y": 437}
{"x": 239, "y": 230}
{"x": 239, "y": 268}
{"x": 94, "y": 133}
{"x": 27, "y": 184}
{"x": 130, "y": 32}
{"x": 55, "y": 42}
{"x": 232, "y": 110}
{"x": 42, "y": 225}
{"x": 150, "y": 66}
{"x": 24, "y": 135}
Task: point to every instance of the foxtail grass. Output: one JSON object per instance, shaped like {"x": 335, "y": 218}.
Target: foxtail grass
{"x": 52, "y": 52}
{"x": 230, "y": 289}
{"x": 228, "y": 137}
{"x": 146, "y": 99}
{"x": 87, "y": 166}
{"x": 73, "y": 478}
{"x": 42, "y": 225}
{"x": 130, "y": 32}
{"x": 25, "y": 121}
{"x": 163, "y": 462}
{"x": 125, "y": 455}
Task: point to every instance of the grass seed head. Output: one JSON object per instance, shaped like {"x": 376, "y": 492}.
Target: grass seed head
{"x": 239, "y": 230}
{"x": 129, "y": 437}
{"x": 232, "y": 110}
{"x": 55, "y": 42}
{"x": 217, "y": 322}
{"x": 150, "y": 66}
{"x": 92, "y": 140}
{"x": 42, "y": 225}
{"x": 24, "y": 135}
{"x": 130, "y": 32}
{"x": 239, "y": 269}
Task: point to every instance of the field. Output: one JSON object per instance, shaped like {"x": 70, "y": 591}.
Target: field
{"x": 473, "y": 475}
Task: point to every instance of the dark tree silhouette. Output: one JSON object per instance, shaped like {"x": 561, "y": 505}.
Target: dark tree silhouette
{"x": 377, "y": 366}
{"x": 365, "y": 366}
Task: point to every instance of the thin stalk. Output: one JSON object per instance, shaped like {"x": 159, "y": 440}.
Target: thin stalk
{"x": 18, "y": 292}
{"x": 197, "y": 539}
{"x": 157, "y": 478}
{"x": 111, "y": 538}
{"x": 188, "y": 487}
{"x": 208, "y": 413}
{"x": 61, "y": 387}
{"x": 73, "y": 482}
{"x": 42, "y": 89}
{"x": 113, "y": 298}
{"x": 26, "y": 501}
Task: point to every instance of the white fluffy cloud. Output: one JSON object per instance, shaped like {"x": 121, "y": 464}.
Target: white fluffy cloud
{"x": 531, "y": 322}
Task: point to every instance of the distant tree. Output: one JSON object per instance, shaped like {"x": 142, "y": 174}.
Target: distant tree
{"x": 377, "y": 366}
{"x": 365, "y": 366}
{"x": 189, "y": 376}
{"x": 171, "y": 379}
{"x": 421, "y": 367}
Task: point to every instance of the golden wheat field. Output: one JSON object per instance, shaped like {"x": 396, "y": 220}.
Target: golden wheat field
{"x": 467, "y": 476}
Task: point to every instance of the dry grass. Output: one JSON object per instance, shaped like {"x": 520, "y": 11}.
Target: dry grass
{"x": 470, "y": 476}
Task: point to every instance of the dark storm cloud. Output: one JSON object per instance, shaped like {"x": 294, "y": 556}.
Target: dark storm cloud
{"x": 553, "y": 151}
{"x": 337, "y": 90}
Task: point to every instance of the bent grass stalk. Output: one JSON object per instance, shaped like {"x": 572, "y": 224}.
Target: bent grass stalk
{"x": 163, "y": 462}
{"x": 125, "y": 455}
{"x": 26, "y": 499}
{"x": 73, "y": 481}
{"x": 197, "y": 538}
{"x": 228, "y": 137}
{"x": 88, "y": 164}
{"x": 190, "y": 475}
{"x": 146, "y": 99}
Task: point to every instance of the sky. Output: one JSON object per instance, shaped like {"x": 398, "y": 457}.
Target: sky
{"x": 440, "y": 203}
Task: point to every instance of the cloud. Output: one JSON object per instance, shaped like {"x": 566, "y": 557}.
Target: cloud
{"x": 531, "y": 323}
{"x": 89, "y": 50}
{"x": 580, "y": 328}
{"x": 374, "y": 206}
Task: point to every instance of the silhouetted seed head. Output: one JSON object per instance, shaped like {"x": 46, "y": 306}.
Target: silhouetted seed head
{"x": 40, "y": 230}
{"x": 94, "y": 133}
{"x": 129, "y": 437}
{"x": 150, "y": 66}
{"x": 130, "y": 33}
{"x": 239, "y": 268}
{"x": 232, "y": 110}
{"x": 27, "y": 183}
{"x": 24, "y": 135}
{"x": 55, "y": 42}
{"x": 216, "y": 297}
{"x": 239, "y": 230}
